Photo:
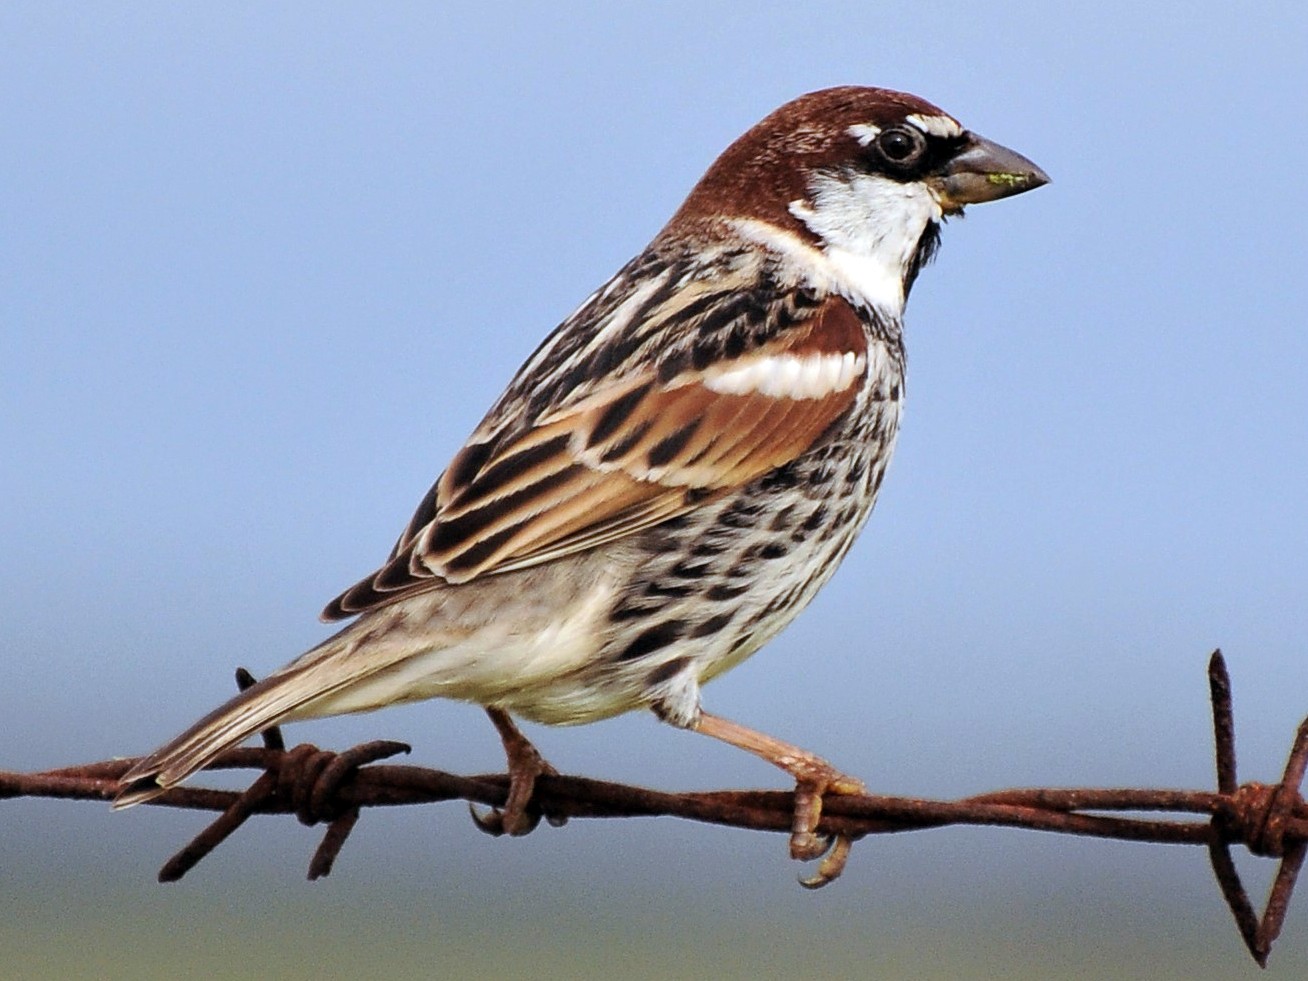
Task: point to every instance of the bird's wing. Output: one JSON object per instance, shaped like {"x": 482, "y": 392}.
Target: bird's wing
{"x": 631, "y": 453}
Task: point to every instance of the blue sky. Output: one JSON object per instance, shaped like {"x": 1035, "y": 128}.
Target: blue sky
{"x": 263, "y": 268}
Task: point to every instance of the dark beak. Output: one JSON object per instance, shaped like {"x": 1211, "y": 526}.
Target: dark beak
{"x": 984, "y": 171}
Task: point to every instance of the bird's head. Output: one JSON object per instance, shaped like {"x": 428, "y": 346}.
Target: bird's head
{"x": 864, "y": 175}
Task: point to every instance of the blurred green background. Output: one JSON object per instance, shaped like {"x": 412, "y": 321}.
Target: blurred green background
{"x": 262, "y": 267}
{"x": 421, "y": 895}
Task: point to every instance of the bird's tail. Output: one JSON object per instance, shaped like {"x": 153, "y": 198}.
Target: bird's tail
{"x": 313, "y": 677}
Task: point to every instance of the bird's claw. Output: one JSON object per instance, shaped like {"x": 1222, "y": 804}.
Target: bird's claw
{"x": 805, "y": 846}
{"x": 517, "y": 816}
{"x": 831, "y": 867}
{"x": 496, "y": 821}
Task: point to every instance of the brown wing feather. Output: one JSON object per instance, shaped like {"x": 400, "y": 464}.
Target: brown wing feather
{"x": 629, "y": 456}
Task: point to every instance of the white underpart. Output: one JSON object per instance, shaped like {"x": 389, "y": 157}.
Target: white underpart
{"x": 943, "y": 126}
{"x": 789, "y": 376}
{"x": 484, "y": 655}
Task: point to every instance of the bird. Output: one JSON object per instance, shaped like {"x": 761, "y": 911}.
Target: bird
{"x": 675, "y": 471}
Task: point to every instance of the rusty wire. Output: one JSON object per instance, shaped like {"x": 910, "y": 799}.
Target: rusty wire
{"x": 320, "y": 786}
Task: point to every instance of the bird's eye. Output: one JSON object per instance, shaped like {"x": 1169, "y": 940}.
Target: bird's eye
{"x": 901, "y": 145}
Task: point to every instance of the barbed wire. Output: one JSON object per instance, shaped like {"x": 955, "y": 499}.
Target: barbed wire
{"x": 325, "y": 787}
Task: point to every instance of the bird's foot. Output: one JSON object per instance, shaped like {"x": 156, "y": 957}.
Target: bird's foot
{"x": 517, "y": 816}
{"x": 815, "y": 778}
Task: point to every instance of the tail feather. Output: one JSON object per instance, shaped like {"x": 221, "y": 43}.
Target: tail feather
{"x": 318, "y": 674}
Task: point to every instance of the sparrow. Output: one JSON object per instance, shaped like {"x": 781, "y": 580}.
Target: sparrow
{"x": 674, "y": 473}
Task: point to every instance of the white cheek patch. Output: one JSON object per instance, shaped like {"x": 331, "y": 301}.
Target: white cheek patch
{"x": 942, "y": 126}
{"x": 789, "y": 376}
{"x": 869, "y": 228}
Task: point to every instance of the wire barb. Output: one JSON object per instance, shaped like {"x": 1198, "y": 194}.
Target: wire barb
{"x": 1267, "y": 819}
{"x": 319, "y": 786}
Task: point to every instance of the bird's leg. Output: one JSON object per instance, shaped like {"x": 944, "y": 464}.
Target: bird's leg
{"x": 814, "y": 777}
{"x": 525, "y": 765}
